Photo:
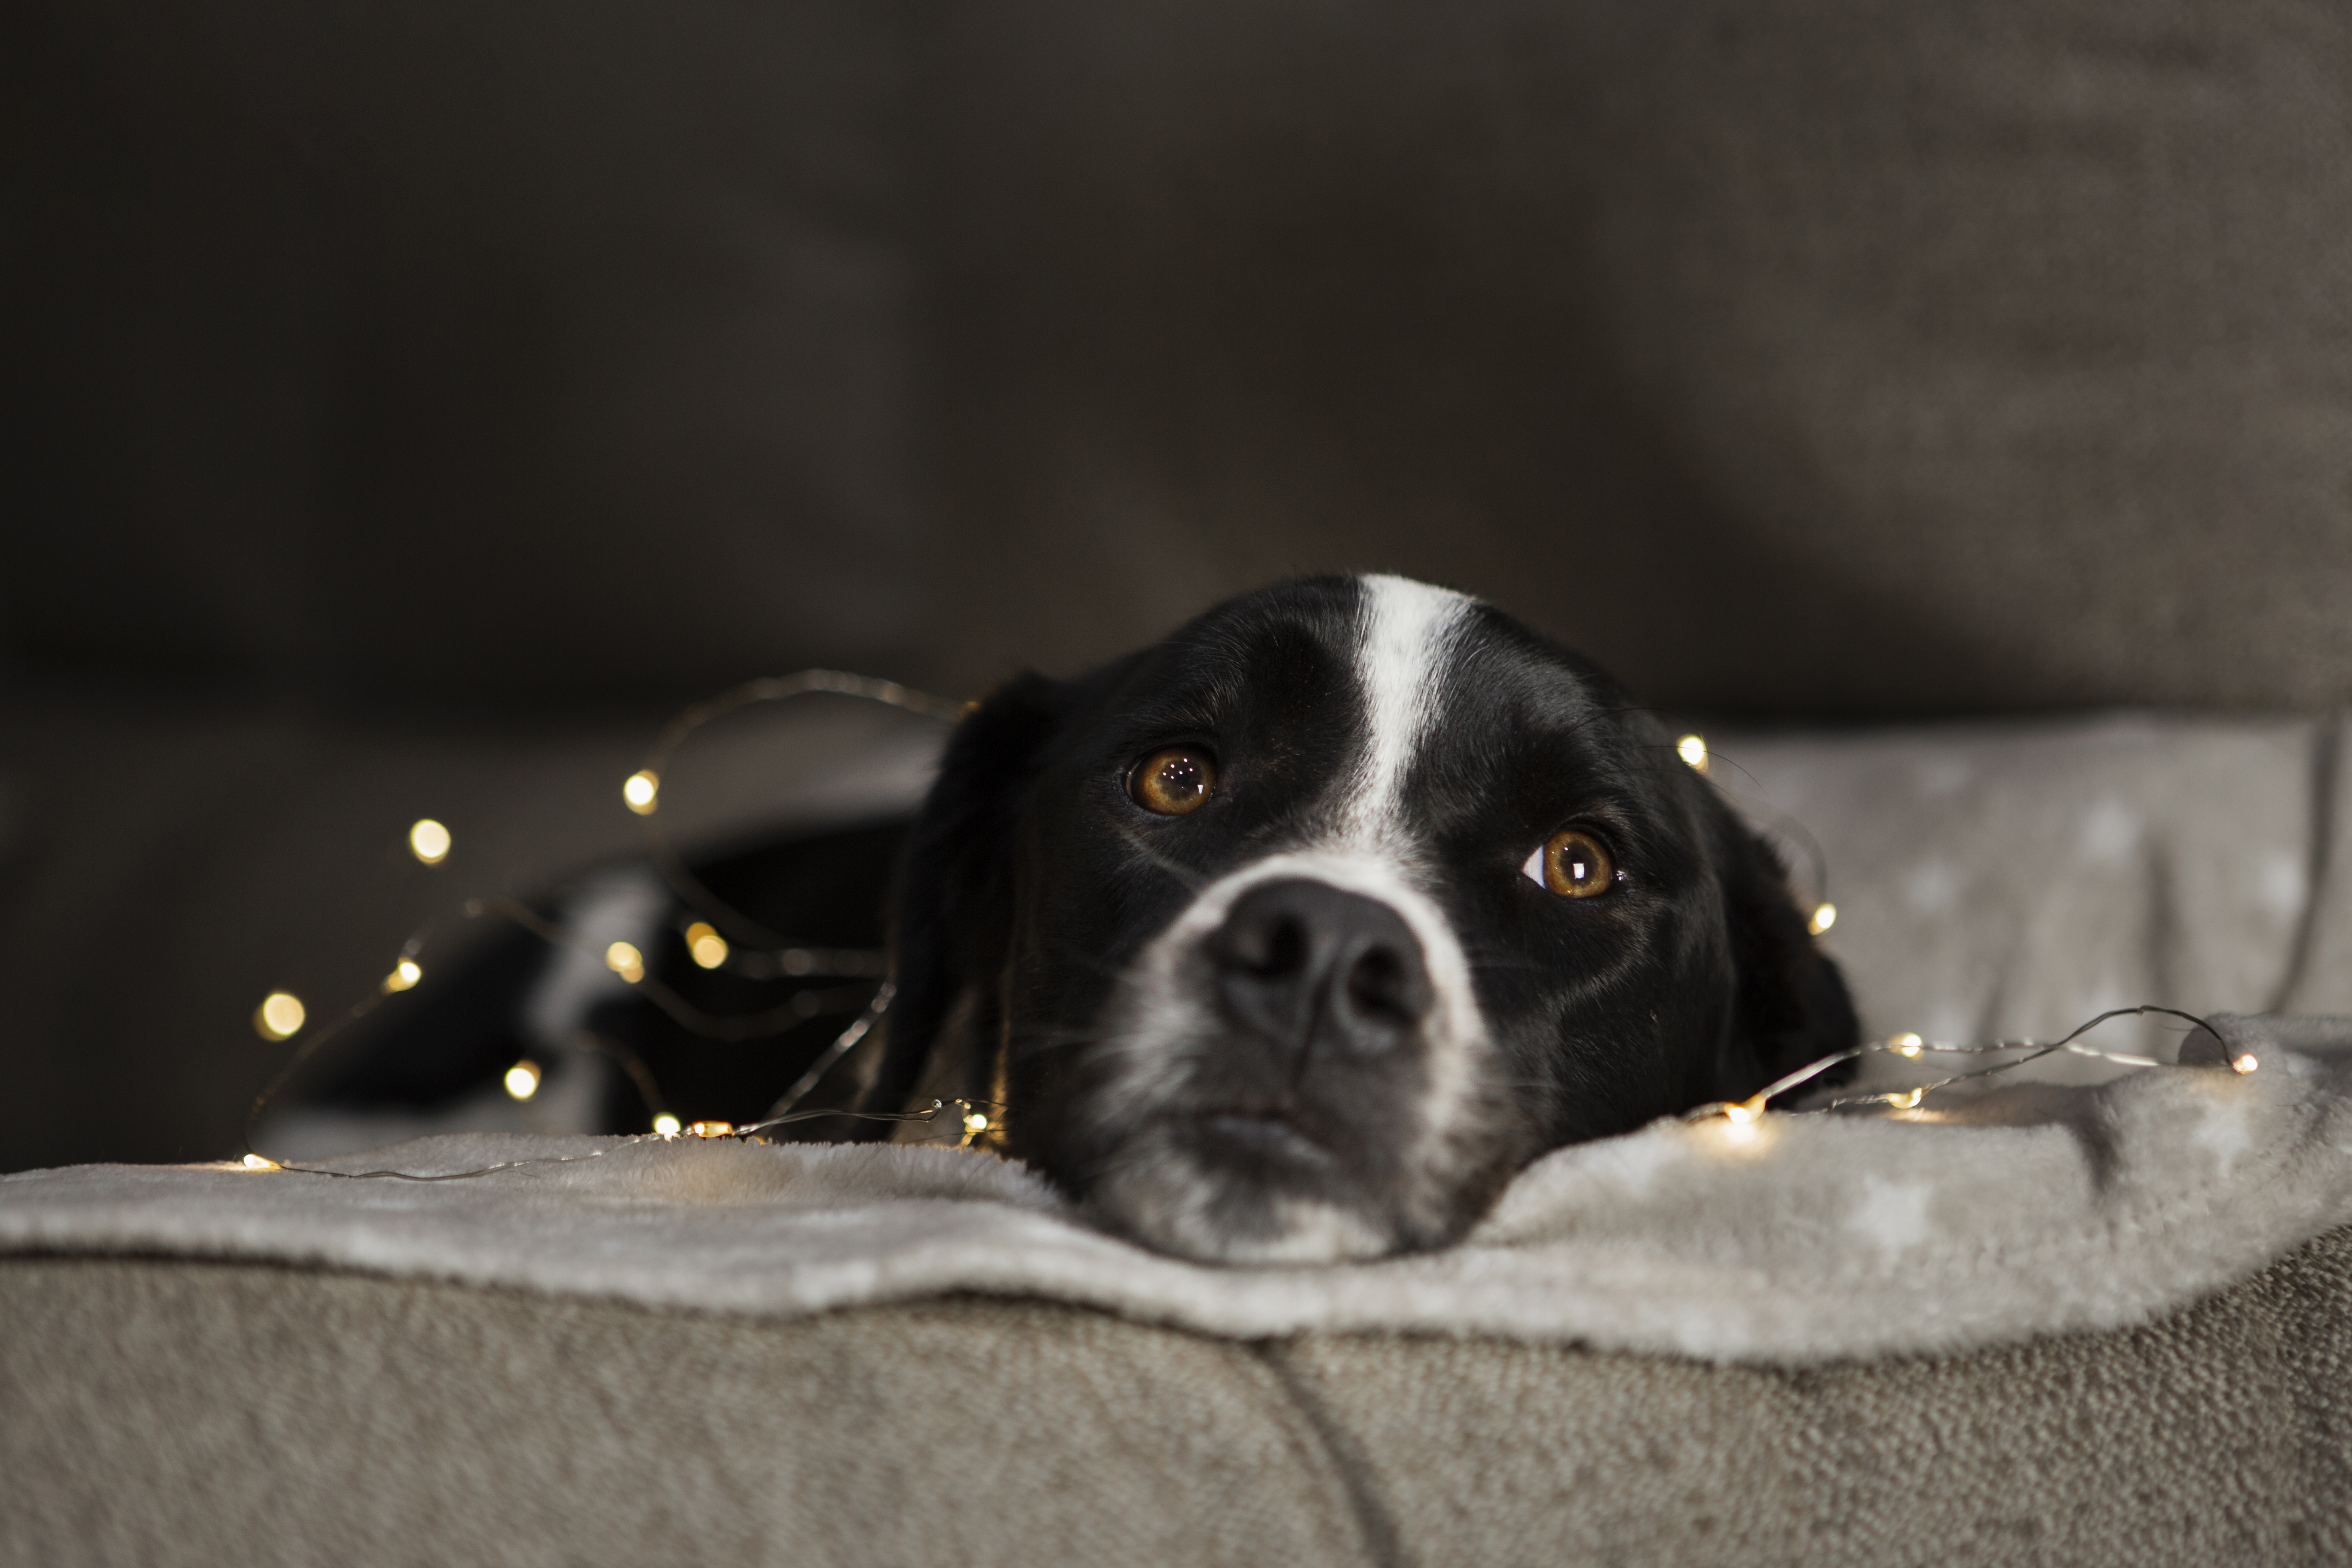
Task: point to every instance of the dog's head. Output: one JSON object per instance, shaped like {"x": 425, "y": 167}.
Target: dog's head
{"x": 1292, "y": 937}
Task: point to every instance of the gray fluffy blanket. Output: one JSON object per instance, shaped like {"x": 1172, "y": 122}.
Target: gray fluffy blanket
{"x": 1817, "y": 1237}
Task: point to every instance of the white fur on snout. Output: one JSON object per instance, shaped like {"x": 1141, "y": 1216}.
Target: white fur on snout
{"x": 1167, "y": 1196}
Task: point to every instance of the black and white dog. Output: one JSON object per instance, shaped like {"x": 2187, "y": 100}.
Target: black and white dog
{"x": 1289, "y": 938}
{"x": 1292, "y": 937}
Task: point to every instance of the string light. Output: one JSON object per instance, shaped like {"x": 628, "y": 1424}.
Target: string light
{"x": 709, "y": 1130}
{"x": 624, "y": 960}
{"x": 1825, "y": 917}
{"x": 707, "y": 948}
{"x": 522, "y": 1080}
{"x": 428, "y": 841}
{"x": 1737, "y": 1117}
{"x": 642, "y": 788}
{"x": 280, "y": 1015}
{"x": 404, "y": 973}
{"x": 1692, "y": 749}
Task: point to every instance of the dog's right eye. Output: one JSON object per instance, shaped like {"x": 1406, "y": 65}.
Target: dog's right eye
{"x": 1173, "y": 780}
{"x": 1572, "y": 864}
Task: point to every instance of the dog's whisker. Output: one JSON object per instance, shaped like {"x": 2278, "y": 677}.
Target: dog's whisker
{"x": 1192, "y": 881}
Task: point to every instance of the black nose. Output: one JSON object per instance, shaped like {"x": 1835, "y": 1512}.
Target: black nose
{"x": 1306, "y": 966}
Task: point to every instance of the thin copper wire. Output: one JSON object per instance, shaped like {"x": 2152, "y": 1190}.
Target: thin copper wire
{"x": 2037, "y": 1050}
{"x": 797, "y": 961}
{"x": 731, "y": 922}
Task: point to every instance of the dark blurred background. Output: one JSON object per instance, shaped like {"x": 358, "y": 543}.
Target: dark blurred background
{"x": 408, "y": 405}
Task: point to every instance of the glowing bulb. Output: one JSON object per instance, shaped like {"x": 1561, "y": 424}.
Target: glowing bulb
{"x": 626, "y": 962}
{"x": 975, "y": 1122}
{"x": 1739, "y": 1115}
{"x": 1906, "y": 1100}
{"x": 639, "y": 790}
{"x": 665, "y": 1125}
{"x": 522, "y": 1080}
{"x": 1825, "y": 917}
{"x": 710, "y": 1130}
{"x": 1692, "y": 749}
{"x": 280, "y": 1016}
{"x": 255, "y": 1163}
{"x": 404, "y": 973}
{"x": 2246, "y": 1063}
{"x": 706, "y": 946}
{"x": 428, "y": 841}
{"x": 1906, "y": 1045}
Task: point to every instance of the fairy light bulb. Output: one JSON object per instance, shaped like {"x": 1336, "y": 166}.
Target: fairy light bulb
{"x": 975, "y": 1122}
{"x": 279, "y": 1016}
{"x": 256, "y": 1163}
{"x": 1907, "y": 1100}
{"x": 625, "y": 961}
{"x": 404, "y": 973}
{"x": 1906, "y": 1045}
{"x": 710, "y": 1130}
{"x": 522, "y": 1080}
{"x": 1825, "y": 917}
{"x": 2246, "y": 1063}
{"x": 640, "y": 791}
{"x": 1739, "y": 1115}
{"x": 1692, "y": 749}
{"x": 705, "y": 945}
{"x": 428, "y": 841}
{"x": 665, "y": 1125}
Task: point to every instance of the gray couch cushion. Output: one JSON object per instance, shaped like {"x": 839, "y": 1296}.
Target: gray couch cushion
{"x": 187, "y": 1413}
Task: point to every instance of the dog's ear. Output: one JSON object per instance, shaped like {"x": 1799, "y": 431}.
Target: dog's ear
{"x": 951, "y": 907}
{"x": 1790, "y": 1004}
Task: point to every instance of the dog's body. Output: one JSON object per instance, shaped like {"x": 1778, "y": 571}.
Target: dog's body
{"x": 1295, "y": 935}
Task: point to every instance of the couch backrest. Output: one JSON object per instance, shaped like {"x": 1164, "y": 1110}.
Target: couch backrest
{"x": 1824, "y": 359}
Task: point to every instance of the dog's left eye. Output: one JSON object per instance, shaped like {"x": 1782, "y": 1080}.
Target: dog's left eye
{"x": 1173, "y": 782}
{"x": 1571, "y": 863}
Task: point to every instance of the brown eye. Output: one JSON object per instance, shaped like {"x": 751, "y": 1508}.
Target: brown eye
{"x": 1173, "y": 782}
{"x": 1572, "y": 864}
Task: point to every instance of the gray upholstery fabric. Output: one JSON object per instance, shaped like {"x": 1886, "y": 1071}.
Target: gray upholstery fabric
{"x": 195, "y": 1412}
{"x": 1827, "y": 356}
{"x": 1836, "y": 357}
{"x": 447, "y": 349}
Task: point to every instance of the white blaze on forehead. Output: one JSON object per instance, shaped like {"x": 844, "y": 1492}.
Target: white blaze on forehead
{"x": 1408, "y": 631}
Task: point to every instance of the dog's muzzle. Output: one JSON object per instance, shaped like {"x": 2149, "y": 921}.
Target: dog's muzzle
{"x": 1284, "y": 1088}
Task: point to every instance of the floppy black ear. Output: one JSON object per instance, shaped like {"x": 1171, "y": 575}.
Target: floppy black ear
{"x": 1790, "y": 1004}
{"x": 951, "y": 909}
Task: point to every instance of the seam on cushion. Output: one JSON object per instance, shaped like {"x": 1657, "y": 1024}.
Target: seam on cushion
{"x": 1374, "y": 1525}
{"x": 2326, "y": 759}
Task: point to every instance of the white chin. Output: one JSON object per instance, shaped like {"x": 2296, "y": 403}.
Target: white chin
{"x": 1173, "y": 1207}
